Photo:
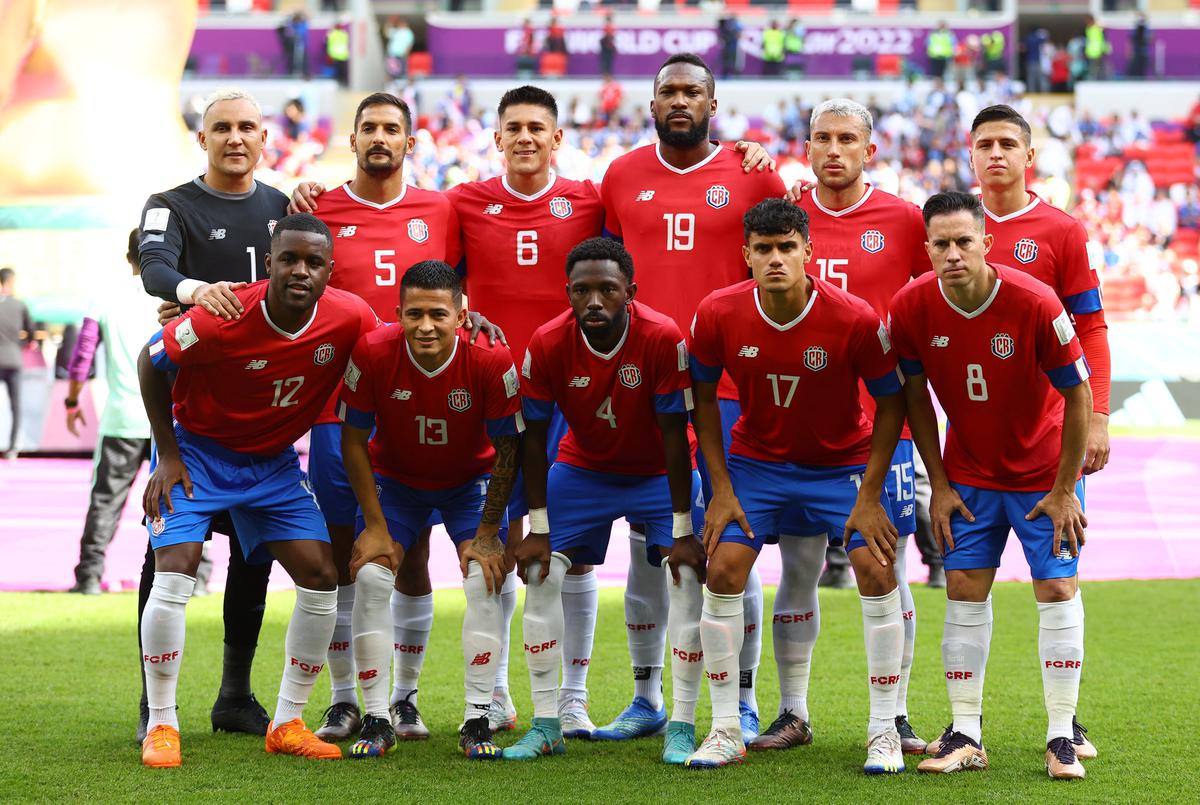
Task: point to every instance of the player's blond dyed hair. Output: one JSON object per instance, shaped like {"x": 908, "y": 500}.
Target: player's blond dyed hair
{"x": 230, "y": 94}
{"x": 844, "y": 107}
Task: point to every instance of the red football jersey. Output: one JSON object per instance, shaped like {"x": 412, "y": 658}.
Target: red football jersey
{"x": 1047, "y": 243}
{"x": 683, "y": 227}
{"x": 374, "y": 244}
{"x": 992, "y": 372}
{"x": 516, "y": 248}
{"x": 797, "y": 382}
{"x": 871, "y": 249}
{"x": 609, "y": 401}
{"x": 250, "y": 386}
{"x": 433, "y": 429}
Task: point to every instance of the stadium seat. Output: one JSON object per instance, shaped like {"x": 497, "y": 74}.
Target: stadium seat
{"x": 420, "y": 64}
{"x": 553, "y": 65}
{"x": 888, "y": 65}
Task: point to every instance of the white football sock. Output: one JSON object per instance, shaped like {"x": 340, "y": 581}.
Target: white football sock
{"x": 480, "y": 641}
{"x": 341, "y": 650}
{"x": 966, "y": 638}
{"x": 309, "y": 630}
{"x": 721, "y": 631}
{"x": 1060, "y": 647}
{"x": 687, "y": 656}
{"x": 371, "y": 622}
{"x": 580, "y": 599}
{"x": 543, "y": 630}
{"x": 748, "y": 657}
{"x": 909, "y": 613}
{"x": 163, "y": 628}
{"x": 508, "y": 606}
{"x": 646, "y": 605}
{"x": 797, "y": 619}
{"x": 412, "y": 621}
{"x": 883, "y": 632}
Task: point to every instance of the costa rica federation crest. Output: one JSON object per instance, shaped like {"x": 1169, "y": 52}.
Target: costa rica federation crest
{"x": 1026, "y": 250}
{"x": 816, "y": 358}
{"x": 717, "y": 196}
{"x": 560, "y": 207}
{"x": 872, "y": 241}
{"x": 1003, "y": 345}
{"x": 459, "y": 400}
{"x": 418, "y": 230}
{"x": 323, "y": 354}
{"x": 630, "y": 376}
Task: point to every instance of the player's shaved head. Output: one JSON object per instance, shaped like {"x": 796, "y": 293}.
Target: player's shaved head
{"x": 1001, "y": 113}
{"x": 710, "y": 82}
{"x": 951, "y": 203}
{"x": 301, "y": 222}
{"x": 775, "y": 216}
{"x": 384, "y": 99}
{"x": 528, "y": 95}
{"x": 602, "y": 249}
{"x": 432, "y": 275}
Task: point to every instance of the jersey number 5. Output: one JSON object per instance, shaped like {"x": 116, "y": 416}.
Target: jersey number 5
{"x": 388, "y": 277}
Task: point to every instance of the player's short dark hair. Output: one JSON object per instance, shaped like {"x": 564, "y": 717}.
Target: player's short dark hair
{"x": 528, "y": 95}
{"x": 301, "y": 222}
{"x": 602, "y": 249}
{"x": 710, "y": 82}
{"x": 384, "y": 99}
{"x": 1002, "y": 113}
{"x": 133, "y": 252}
{"x": 432, "y": 275}
{"x": 775, "y": 216}
{"x": 6, "y": 274}
{"x": 952, "y": 202}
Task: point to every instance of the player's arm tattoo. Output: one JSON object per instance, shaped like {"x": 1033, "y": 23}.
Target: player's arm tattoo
{"x": 504, "y": 475}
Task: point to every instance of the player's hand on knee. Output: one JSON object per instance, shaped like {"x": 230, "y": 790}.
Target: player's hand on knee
{"x": 487, "y": 551}
{"x": 687, "y": 551}
{"x": 168, "y": 312}
{"x": 869, "y": 518}
{"x": 374, "y": 544}
{"x": 304, "y": 197}
{"x": 1066, "y": 514}
{"x": 942, "y": 504}
{"x": 478, "y": 325}
{"x": 798, "y": 189}
{"x": 167, "y": 473}
{"x": 534, "y": 548}
{"x": 1096, "y": 455}
{"x": 723, "y": 510}
{"x": 218, "y": 298}
{"x": 754, "y": 157}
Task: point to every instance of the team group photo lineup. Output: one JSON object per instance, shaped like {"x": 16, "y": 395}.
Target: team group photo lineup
{"x": 740, "y": 373}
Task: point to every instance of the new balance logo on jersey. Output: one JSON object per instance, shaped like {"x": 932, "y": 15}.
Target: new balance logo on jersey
{"x": 748, "y": 352}
{"x": 217, "y": 234}
{"x": 493, "y": 209}
{"x": 347, "y": 231}
{"x": 906, "y": 510}
{"x": 258, "y": 364}
{"x": 579, "y": 382}
{"x": 645, "y": 195}
{"x": 483, "y": 658}
{"x": 401, "y": 394}
{"x": 368, "y": 674}
{"x": 940, "y": 341}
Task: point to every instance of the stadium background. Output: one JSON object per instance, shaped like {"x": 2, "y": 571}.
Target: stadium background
{"x": 98, "y": 99}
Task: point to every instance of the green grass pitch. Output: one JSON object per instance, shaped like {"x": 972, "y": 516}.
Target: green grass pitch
{"x": 71, "y": 691}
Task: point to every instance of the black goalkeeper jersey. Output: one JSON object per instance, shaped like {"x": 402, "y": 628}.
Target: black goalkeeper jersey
{"x": 195, "y": 232}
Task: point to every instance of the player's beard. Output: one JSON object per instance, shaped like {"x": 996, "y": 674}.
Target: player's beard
{"x": 381, "y": 170}
{"x": 688, "y": 138}
{"x": 615, "y": 325}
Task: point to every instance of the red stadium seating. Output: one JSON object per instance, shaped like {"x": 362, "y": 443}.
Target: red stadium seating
{"x": 811, "y": 6}
{"x": 420, "y": 64}
{"x": 1186, "y": 243}
{"x": 553, "y": 64}
{"x": 888, "y": 65}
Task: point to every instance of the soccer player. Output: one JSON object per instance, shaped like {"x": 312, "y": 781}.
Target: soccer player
{"x": 796, "y": 348}
{"x": 200, "y": 242}
{"x": 447, "y": 422}
{"x": 381, "y": 225}
{"x": 870, "y": 243}
{"x": 246, "y": 389}
{"x": 617, "y": 370}
{"x": 678, "y": 205}
{"x": 1000, "y": 353}
{"x": 1033, "y": 236}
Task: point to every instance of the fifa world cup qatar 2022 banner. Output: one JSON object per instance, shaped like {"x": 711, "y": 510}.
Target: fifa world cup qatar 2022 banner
{"x": 829, "y": 51}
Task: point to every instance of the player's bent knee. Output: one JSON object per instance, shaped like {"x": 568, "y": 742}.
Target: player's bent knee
{"x": 1053, "y": 591}
{"x": 969, "y": 585}
{"x": 873, "y": 578}
{"x": 183, "y": 558}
